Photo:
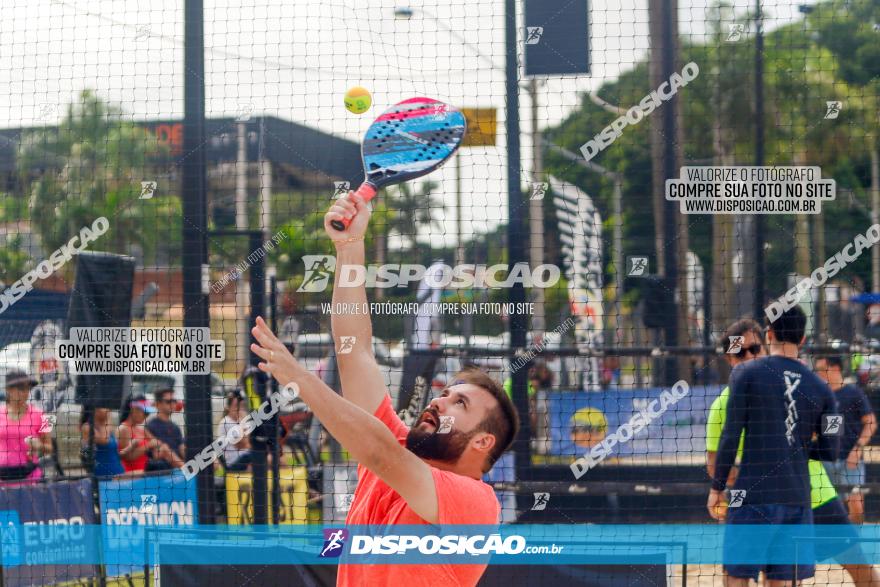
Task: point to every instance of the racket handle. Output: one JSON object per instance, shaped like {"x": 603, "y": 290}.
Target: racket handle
{"x": 367, "y": 192}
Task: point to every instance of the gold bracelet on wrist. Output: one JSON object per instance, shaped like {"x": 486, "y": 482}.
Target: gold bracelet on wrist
{"x": 343, "y": 241}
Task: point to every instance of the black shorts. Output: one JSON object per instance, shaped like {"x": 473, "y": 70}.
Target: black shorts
{"x": 842, "y": 539}
{"x": 742, "y": 558}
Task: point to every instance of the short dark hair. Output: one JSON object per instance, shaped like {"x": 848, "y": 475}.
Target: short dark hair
{"x": 503, "y": 421}
{"x": 832, "y": 360}
{"x": 739, "y": 328}
{"x": 790, "y": 326}
{"x": 160, "y": 393}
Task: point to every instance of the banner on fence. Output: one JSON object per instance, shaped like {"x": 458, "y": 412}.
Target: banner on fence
{"x": 32, "y": 518}
{"x": 129, "y": 505}
{"x": 580, "y": 421}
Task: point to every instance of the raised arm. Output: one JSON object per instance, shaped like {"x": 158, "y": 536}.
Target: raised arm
{"x": 363, "y": 435}
{"x": 362, "y": 381}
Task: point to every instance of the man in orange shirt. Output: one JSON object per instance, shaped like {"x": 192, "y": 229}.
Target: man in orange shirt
{"x": 429, "y": 474}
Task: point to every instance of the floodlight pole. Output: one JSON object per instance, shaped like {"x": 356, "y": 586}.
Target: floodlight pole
{"x": 195, "y": 245}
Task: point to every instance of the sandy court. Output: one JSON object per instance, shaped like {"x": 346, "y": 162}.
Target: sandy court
{"x": 711, "y": 576}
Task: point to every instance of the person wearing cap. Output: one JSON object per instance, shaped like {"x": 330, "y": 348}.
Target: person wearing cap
{"x": 136, "y": 443}
{"x": 24, "y": 431}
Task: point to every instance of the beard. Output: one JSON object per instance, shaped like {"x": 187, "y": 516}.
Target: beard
{"x": 446, "y": 448}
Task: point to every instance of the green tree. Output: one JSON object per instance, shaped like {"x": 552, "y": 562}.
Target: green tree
{"x": 414, "y": 209}
{"x": 92, "y": 165}
{"x": 13, "y": 261}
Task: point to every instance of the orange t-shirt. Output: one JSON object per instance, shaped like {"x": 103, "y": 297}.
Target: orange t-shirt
{"x": 460, "y": 500}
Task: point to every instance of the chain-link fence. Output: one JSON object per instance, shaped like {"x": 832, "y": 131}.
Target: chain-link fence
{"x": 622, "y": 185}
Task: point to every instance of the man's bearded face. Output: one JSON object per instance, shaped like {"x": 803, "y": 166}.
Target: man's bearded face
{"x": 425, "y": 441}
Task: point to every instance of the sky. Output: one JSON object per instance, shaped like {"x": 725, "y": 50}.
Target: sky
{"x": 296, "y": 59}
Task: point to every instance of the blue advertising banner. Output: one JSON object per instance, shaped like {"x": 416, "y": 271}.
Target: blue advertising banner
{"x": 37, "y": 522}
{"x": 128, "y": 506}
{"x": 652, "y": 424}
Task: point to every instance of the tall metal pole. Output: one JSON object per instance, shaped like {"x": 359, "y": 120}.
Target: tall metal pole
{"x": 536, "y": 211}
{"x": 618, "y": 256}
{"x": 242, "y": 289}
{"x": 515, "y": 233}
{"x": 260, "y": 438}
{"x": 670, "y": 209}
{"x": 459, "y": 236}
{"x": 759, "y": 159}
{"x": 875, "y": 213}
{"x": 195, "y": 245}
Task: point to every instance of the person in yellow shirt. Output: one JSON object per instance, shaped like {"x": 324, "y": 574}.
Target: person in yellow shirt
{"x": 827, "y": 506}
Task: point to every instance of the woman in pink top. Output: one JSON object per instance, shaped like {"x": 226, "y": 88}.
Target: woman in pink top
{"x": 25, "y": 434}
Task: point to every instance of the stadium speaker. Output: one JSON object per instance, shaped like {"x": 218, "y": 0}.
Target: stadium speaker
{"x": 101, "y": 297}
{"x": 659, "y": 300}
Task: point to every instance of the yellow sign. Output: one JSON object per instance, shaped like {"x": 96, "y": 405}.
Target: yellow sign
{"x": 482, "y": 126}
{"x": 294, "y": 497}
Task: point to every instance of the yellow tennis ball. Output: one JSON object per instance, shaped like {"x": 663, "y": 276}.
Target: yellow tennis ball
{"x": 358, "y": 100}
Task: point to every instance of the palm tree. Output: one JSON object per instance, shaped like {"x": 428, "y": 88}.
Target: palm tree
{"x": 92, "y": 165}
{"x": 14, "y": 262}
{"x": 413, "y": 209}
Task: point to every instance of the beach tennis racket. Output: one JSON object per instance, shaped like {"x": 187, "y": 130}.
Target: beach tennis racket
{"x": 409, "y": 140}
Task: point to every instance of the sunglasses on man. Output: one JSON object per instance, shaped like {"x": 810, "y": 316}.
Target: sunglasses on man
{"x": 754, "y": 350}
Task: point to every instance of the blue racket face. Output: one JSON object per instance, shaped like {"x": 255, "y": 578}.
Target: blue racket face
{"x": 410, "y": 139}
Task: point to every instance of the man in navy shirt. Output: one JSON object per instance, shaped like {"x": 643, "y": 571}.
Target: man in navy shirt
{"x": 782, "y": 406}
{"x": 859, "y": 425}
